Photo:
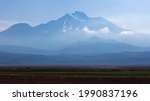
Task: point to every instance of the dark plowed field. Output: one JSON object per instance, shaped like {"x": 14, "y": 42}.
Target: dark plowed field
{"x": 75, "y": 75}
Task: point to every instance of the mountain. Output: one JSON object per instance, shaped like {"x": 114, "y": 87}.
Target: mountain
{"x": 73, "y": 39}
{"x": 73, "y": 33}
{"x": 20, "y": 29}
{"x": 117, "y": 59}
{"x": 96, "y": 45}
{"x": 74, "y": 27}
{"x": 77, "y": 22}
{"x": 25, "y": 50}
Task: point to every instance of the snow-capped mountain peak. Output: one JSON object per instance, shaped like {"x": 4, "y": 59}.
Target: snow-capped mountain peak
{"x": 73, "y": 21}
{"x": 80, "y": 15}
{"x": 76, "y": 16}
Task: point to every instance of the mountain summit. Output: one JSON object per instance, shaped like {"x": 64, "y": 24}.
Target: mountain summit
{"x": 80, "y": 22}
{"x": 80, "y": 15}
{"x": 76, "y": 15}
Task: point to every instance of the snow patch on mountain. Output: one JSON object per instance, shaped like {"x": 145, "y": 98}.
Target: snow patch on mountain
{"x": 77, "y": 18}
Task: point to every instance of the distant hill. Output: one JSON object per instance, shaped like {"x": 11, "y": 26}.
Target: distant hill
{"x": 24, "y": 50}
{"x": 125, "y": 58}
{"x": 96, "y": 45}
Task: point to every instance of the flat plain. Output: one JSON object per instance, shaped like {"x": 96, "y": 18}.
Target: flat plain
{"x": 74, "y": 75}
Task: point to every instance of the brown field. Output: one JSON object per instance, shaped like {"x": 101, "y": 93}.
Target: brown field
{"x": 74, "y": 75}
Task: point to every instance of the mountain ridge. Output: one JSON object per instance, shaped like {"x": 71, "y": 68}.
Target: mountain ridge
{"x": 77, "y": 16}
{"x": 67, "y": 30}
{"x": 96, "y": 45}
{"x": 112, "y": 59}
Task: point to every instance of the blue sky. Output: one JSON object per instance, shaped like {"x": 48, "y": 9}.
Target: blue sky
{"x": 131, "y": 14}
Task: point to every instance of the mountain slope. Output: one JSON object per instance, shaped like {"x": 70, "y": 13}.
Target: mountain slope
{"x": 24, "y": 50}
{"x": 96, "y": 45}
{"x": 20, "y": 29}
{"x": 76, "y": 26}
{"x": 77, "y": 21}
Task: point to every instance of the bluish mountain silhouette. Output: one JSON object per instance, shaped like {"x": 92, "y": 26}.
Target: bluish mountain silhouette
{"x": 57, "y": 34}
{"x": 117, "y": 59}
{"x": 68, "y": 23}
{"x": 67, "y": 35}
{"x": 24, "y": 50}
{"x": 96, "y": 45}
{"x": 20, "y": 29}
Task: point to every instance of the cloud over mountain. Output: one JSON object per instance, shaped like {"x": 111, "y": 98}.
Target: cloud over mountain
{"x": 87, "y": 30}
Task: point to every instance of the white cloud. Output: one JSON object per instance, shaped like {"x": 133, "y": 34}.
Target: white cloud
{"x": 127, "y": 33}
{"x": 87, "y": 30}
{"x": 105, "y": 30}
